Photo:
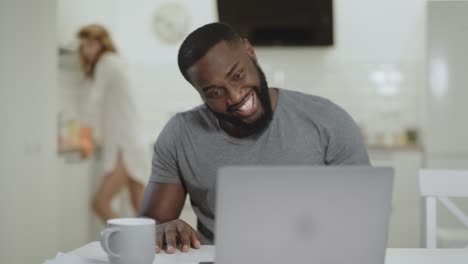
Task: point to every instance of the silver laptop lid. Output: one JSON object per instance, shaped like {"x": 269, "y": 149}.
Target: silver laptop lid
{"x": 326, "y": 215}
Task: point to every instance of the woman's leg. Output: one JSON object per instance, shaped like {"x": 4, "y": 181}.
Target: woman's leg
{"x": 110, "y": 185}
{"x": 136, "y": 189}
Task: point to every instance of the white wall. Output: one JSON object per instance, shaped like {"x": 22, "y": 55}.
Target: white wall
{"x": 159, "y": 87}
{"x": 27, "y": 136}
{"x": 71, "y": 15}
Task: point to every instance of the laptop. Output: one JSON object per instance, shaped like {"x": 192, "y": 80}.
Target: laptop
{"x": 323, "y": 215}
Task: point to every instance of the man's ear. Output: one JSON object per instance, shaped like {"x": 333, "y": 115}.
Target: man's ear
{"x": 250, "y": 50}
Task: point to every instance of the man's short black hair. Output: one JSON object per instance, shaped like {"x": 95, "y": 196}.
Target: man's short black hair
{"x": 197, "y": 43}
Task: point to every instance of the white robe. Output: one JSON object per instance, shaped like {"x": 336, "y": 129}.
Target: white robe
{"x": 112, "y": 113}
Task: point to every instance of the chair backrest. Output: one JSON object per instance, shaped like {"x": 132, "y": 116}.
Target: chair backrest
{"x": 440, "y": 185}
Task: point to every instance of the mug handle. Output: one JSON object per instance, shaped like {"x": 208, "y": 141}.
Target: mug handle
{"x": 105, "y": 240}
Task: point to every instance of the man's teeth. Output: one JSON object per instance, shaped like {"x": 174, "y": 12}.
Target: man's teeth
{"x": 247, "y": 105}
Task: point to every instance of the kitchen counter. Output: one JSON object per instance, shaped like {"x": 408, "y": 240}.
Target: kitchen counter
{"x": 407, "y": 147}
{"x": 73, "y": 149}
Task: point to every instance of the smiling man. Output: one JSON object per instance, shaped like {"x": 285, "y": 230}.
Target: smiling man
{"x": 242, "y": 122}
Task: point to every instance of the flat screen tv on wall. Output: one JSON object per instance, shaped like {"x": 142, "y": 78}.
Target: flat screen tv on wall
{"x": 280, "y": 22}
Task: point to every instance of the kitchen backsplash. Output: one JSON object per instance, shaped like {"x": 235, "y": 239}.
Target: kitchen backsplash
{"x": 383, "y": 96}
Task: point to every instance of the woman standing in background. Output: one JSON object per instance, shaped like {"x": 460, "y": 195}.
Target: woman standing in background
{"x": 112, "y": 112}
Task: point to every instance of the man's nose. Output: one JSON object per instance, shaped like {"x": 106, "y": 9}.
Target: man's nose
{"x": 234, "y": 96}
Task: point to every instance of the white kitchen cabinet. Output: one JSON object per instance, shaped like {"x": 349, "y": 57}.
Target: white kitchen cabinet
{"x": 75, "y": 183}
{"x": 78, "y": 181}
{"x": 447, "y": 60}
{"x": 28, "y": 104}
{"x": 445, "y": 108}
{"x": 406, "y": 217}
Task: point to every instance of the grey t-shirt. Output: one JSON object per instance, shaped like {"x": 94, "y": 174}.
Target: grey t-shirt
{"x": 305, "y": 130}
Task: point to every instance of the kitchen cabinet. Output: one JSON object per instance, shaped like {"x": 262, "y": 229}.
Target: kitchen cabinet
{"x": 76, "y": 181}
{"x": 445, "y": 104}
{"x": 406, "y": 218}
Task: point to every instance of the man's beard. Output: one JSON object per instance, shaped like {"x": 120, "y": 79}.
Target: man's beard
{"x": 263, "y": 121}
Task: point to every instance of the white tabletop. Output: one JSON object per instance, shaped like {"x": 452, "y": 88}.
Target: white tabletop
{"x": 206, "y": 253}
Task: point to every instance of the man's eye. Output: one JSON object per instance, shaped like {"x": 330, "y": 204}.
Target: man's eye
{"x": 214, "y": 93}
{"x": 238, "y": 76}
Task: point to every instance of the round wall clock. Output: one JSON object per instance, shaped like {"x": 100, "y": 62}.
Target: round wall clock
{"x": 171, "y": 22}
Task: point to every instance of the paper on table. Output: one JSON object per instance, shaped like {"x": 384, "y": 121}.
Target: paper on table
{"x": 193, "y": 257}
{"x": 63, "y": 258}
{"x": 205, "y": 254}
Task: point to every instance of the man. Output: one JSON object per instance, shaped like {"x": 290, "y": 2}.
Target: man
{"x": 243, "y": 122}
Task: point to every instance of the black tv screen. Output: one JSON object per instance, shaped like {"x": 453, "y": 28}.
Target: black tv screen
{"x": 280, "y": 22}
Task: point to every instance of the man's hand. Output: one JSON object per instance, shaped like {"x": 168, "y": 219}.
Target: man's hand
{"x": 176, "y": 234}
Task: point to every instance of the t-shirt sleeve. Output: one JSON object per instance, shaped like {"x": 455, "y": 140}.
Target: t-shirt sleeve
{"x": 345, "y": 143}
{"x": 164, "y": 167}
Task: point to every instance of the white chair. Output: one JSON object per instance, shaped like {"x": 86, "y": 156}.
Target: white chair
{"x": 440, "y": 185}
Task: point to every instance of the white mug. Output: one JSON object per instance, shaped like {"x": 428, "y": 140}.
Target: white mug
{"x": 129, "y": 240}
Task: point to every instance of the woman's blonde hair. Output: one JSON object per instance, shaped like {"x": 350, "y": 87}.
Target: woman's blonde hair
{"x": 100, "y": 34}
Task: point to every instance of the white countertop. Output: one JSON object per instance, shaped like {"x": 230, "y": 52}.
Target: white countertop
{"x": 206, "y": 254}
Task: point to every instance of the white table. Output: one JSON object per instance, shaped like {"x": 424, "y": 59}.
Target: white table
{"x": 206, "y": 253}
